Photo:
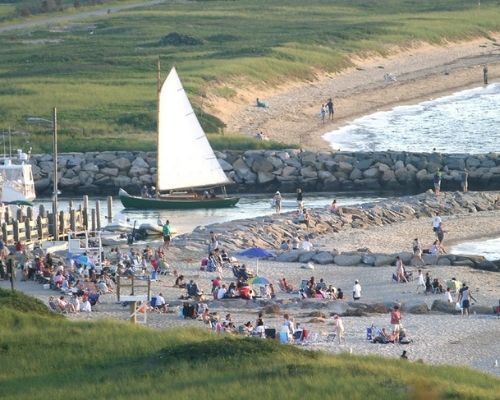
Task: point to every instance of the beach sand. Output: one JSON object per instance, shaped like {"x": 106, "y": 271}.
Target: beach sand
{"x": 423, "y": 73}
{"x": 437, "y": 338}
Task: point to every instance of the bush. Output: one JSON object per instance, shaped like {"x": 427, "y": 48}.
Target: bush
{"x": 179, "y": 39}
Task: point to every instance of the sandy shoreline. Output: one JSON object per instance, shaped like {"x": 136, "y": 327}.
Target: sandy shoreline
{"x": 437, "y": 338}
{"x": 293, "y": 113}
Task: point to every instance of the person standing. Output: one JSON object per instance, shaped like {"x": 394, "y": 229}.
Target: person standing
{"x": 277, "y": 202}
{"x": 436, "y": 222}
{"x": 400, "y": 271}
{"x": 421, "y": 281}
{"x": 437, "y": 182}
{"x": 356, "y": 290}
{"x": 300, "y": 198}
{"x": 464, "y": 180}
{"x": 485, "y": 74}
{"x": 339, "y": 328}
{"x": 166, "y": 234}
{"x": 329, "y": 104}
{"x": 464, "y": 298}
{"x": 322, "y": 113}
{"x": 396, "y": 323}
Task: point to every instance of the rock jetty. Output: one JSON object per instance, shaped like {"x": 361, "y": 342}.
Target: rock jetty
{"x": 270, "y": 231}
{"x": 268, "y": 170}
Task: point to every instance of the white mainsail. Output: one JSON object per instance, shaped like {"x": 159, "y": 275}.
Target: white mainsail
{"x": 185, "y": 157}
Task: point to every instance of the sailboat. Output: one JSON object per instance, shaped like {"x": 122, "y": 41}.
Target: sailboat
{"x": 187, "y": 168}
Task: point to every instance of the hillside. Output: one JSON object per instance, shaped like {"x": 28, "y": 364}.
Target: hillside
{"x": 52, "y": 358}
{"x": 100, "y": 71}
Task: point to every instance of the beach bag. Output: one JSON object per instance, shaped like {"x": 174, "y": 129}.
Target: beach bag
{"x": 369, "y": 333}
{"x": 458, "y": 306}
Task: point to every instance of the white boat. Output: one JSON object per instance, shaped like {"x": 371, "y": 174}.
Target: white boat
{"x": 187, "y": 168}
{"x": 152, "y": 229}
{"x": 16, "y": 180}
{"x": 119, "y": 227}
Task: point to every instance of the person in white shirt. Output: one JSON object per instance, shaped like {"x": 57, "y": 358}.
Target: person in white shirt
{"x": 85, "y": 306}
{"x": 356, "y": 290}
{"x": 447, "y": 296}
{"x": 221, "y": 292}
{"x": 306, "y": 244}
{"x": 421, "y": 281}
{"x": 436, "y": 221}
{"x": 161, "y": 303}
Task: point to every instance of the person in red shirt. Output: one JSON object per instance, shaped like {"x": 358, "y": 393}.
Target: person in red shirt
{"x": 396, "y": 323}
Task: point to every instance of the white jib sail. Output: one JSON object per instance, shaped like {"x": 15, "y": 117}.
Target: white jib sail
{"x": 185, "y": 157}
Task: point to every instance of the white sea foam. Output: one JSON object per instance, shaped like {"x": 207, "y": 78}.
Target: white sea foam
{"x": 490, "y": 249}
{"x": 464, "y": 122}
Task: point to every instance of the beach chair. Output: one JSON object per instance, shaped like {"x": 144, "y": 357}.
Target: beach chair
{"x": 270, "y": 333}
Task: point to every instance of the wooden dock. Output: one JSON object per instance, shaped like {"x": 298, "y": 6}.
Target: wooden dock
{"x": 30, "y": 227}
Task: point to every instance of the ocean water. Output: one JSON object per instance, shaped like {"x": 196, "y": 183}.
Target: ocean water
{"x": 464, "y": 122}
{"x": 490, "y": 249}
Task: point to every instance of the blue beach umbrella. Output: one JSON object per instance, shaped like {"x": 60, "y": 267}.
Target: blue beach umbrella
{"x": 256, "y": 252}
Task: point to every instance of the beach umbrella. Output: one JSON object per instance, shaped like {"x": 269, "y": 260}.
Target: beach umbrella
{"x": 256, "y": 252}
{"x": 83, "y": 260}
{"x": 260, "y": 280}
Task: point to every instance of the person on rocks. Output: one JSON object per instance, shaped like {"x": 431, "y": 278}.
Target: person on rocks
{"x": 300, "y": 198}
{"x": 464, "y": 180}
{"x": 356, "y": 291}
{"x": 307, "y": 244}
{"x": 437, "y": 182}
{"x": 335, "y": 209}
{"x": 295, "y": 243}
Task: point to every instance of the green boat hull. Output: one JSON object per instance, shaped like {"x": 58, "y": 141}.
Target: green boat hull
{"x": 166, "y": 203}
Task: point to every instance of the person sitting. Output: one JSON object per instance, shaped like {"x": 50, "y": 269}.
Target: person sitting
{"x": 231, "y": 291}
{"x": 260, "y": 103}
{"x": 285, "y": 286}
{"x": 284, "y": 246}
{"x": 306, "y": 244}
{"x": 335, "y": 209}
{"x": 340, "y": 294}
{"x": 216, "y": 284}
{"x": 383, "y": 337}
{"x": 260, "y": 329}
{"x": 64, "y": 306}
{"x": 179, "y": 282}
{"x": 247, "y": 328}
{"x": 321, "y": 285}
{"x": 161, "y": 303}
{"x": 85, "y": 305}
{"x": 221, "y": 292}
{"x": 436, "y": 286}
{"x": 193, "y": 291}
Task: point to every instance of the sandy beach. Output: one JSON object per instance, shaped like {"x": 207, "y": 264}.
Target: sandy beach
{"x": 436, "y": 338}
{"x": 422, "y": 73}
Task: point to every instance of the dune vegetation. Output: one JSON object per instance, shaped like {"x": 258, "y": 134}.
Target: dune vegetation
{"x": 101, "y": 72}
{"x": 47, "y": 357}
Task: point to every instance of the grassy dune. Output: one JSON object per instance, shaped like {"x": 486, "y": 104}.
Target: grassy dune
{"x": 44, "y": 357}
{"x": 101, "y": 73}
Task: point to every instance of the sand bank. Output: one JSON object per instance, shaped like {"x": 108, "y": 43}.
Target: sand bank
{"x": 422, "y": 73}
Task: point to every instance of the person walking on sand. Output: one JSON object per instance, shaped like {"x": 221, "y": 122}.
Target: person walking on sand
{"x": 322, "y": 113}
{"x": 436, "y": 221}
{"x": 277, "y": 202}
{"x": 300, "y": 198}
{"x": 400, "y": 271}
{"x": 339, "y": 328}
{"x": 356, "y": 290}
{"x": 396, "y": 323}
{"x": 329, "y": 104}
{"x": 417, "y": 250}
{"x": 464, "y": 298}
{"x": 421, "y": 281}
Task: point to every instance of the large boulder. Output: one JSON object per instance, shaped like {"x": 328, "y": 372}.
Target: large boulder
{"x": 262, "y": 164}
{"x": 289, "y": 256}
{"x": 444, "y": 307}
{"x": 384, "y": 260}
{"x": 225, "y": 165}
{"x": 121, "y": 163}
{"x": 415, "y": 307}
{"x": 347, "y": 260}
{"x": 323, "y": 257}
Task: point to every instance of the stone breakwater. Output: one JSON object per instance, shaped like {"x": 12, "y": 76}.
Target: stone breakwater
{"x": 267, "y": 170}
{"x": 270, "y": 231}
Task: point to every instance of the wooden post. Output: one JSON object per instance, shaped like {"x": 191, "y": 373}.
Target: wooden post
{"x": 4, "y": 232}
{"x": 118, "y": 287}
{"x": 7, "y": 215}
{"x": 110, "y": 209}
{"x": 93, "y": 220}
{"x": 39, "y": 227}
{"x": 72, "y": 220}
{"x": 15, "y": 228}
{"x": 70, "y": 204}
{"x": 98, "y": 215}
{"x": 27, "y": 229}
{"x": 42, "y": 212}
{"x": 149, "y": 289}
{"x": 133, "y": 308}
{"x": 55, "y": 220}
{"x": 62, "y": 223}
{"x": 86, "y": 212}
{"x": 29, "y": 213}
{"x": 20, "y": 215}
{"x": 132, "y": 281}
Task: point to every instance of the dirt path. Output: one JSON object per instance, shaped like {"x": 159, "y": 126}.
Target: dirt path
{"x": 73, "y": 17}
{"x": 422, "y": 73}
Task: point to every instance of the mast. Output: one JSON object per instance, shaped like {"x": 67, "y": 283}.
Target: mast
{"x": 158, "y": 89}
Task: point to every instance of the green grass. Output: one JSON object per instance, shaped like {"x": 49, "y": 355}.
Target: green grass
{"x": 52, "y": 358}
{"x": 100, "y": 73}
